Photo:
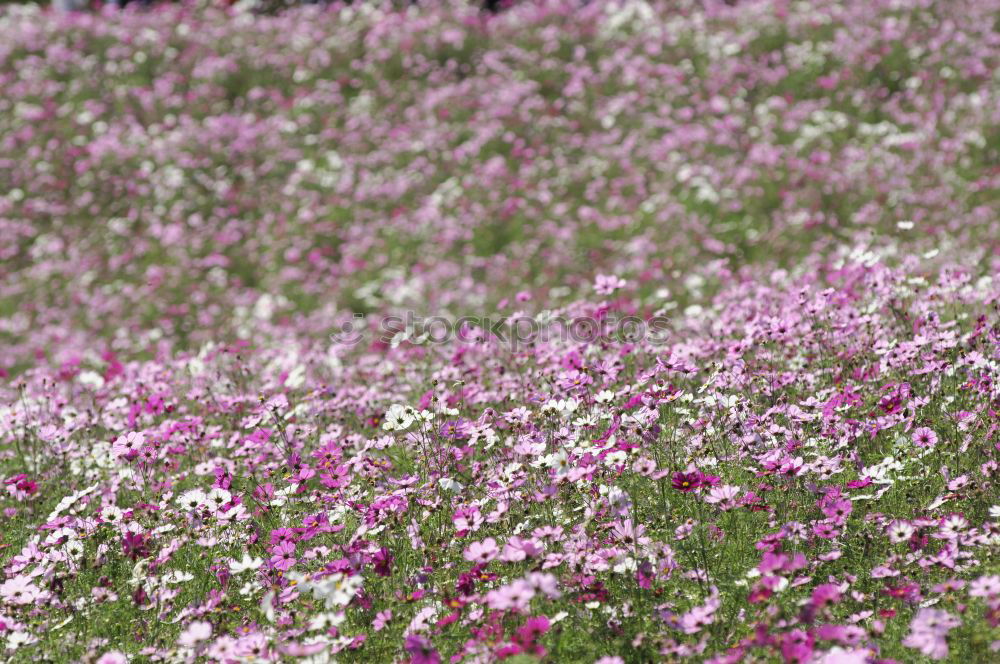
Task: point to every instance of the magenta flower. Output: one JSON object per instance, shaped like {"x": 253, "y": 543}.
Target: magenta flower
{"x": 282, "y": 535}
{"x": 686, "y": 482}
{"x": 825, "y": 530}
{"x": 283, "y": 556}
{"x": 21, "y": 488}
{"x": 382, "y": 560}
{"x": 532, "y": 629}
{"x": 797, "y": 646}
{"x": 420, "y": 650}
{"x": 838, "y": 510}
{"x": 135, "y": 545}
{"x": 825, "y": 594}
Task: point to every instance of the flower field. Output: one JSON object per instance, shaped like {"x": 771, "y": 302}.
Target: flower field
{"x": 625, "y": 332}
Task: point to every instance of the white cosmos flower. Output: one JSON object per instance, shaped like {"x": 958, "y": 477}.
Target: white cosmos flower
{"x": 244, "y": 564}
{"x": 74, "y": 548}
{"x": 326, "y": 620}
{"x": 899, "y": 531}
{"x": 398, "y": 418}
{"x": 616, "y": 458}
{"x": 604, "y": 396}
{"x": 191, "y": 500}
{"x": 178, "y": 576}
{"x": 62, "y": 535}
{"x": 111, "y": 514}
{"x": 449, "y": 484}
{"x": 218, "y": 497}
{"x": 17, "y": 639}
{"x": 336, "y": 589}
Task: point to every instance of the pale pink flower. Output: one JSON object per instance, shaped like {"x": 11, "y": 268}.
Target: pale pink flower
{"x": 19, "y": 590}
{"x": 724, "y": 496}
{"x": 112, "y": 657}
{"x": 482, "y": 552}
{"x": 606, "y": 284}
{"x": 128, "y": 445}
{"x": 382, "y": 619}
{"x": 928, "y": 631}
{"x": 516, "y": 596}
{"x": 195, "y": 633}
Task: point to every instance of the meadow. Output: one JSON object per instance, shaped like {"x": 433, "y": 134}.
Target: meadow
{"x": 753, "y": 413}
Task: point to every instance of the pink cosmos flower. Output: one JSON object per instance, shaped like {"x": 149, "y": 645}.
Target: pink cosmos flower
{"x": 281, "y": 535}
{"x": 928, "y": 631}
{"x": 252, "y": 646}
{"x": 791, "y": 467}
{"x": 924, "y": 437}
{"x": 545, "y": 583}
{"x": 723, "y": 497}
{"x": 952, "y": 526}
{"x": 986, "y": 587}
{"x": 517, "y": 549}
{"x": 112, "y": 657}
{"x": 700, "y": 617}
{"x": 482, "y": 552}
{"x": 283, "y": 556}
{"x": 644, "y": 466}
{"x": 825, "y": 530}
{"x": 838, "y": 655}
{"x": 128, "y": 445}
{"x": 606, "y": 284}
{"x": 838, "y": 510}
{"x": 697, "y": 619}
{"x": 951, "y": 585}
{"x": 306, "y": 649}
{"x": 382, "y": 619}
{"x": 797, "y": 646}
{"x": 195, "y": 633}
{"x": 827, "y": 593}
{"x": 19, "y": 590}
{"x": 468, "y": 519}
{"x": 516, "y": 596}
{"x": 628, "y": 533}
